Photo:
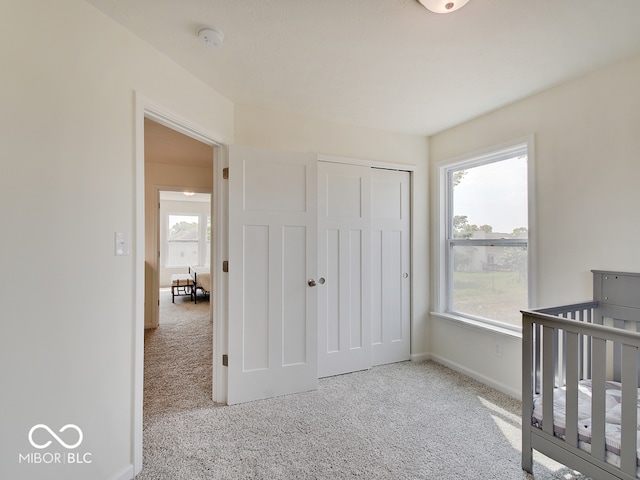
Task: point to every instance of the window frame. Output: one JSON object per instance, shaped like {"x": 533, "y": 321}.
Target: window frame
{"x": 443, "y": 231}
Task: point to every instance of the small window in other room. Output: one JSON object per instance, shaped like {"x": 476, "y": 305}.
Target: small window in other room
{"x": 485, "y": 237}
{"x": 183, "y": 240}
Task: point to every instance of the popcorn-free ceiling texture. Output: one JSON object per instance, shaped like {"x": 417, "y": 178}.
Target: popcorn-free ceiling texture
{"x": 385, "y": 64}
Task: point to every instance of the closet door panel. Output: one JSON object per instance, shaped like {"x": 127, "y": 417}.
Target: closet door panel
{"x": 344, "y": 328}
{"x": 391, "y": 261}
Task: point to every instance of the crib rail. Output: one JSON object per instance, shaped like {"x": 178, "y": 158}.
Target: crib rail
{"x": 563, "y": 345}
{"x": 581, "y": 312}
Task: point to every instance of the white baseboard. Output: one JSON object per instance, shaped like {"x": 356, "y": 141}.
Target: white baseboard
{"x": 477, "y": 376}
{"x": 125, "y": 474}
{"x": 420, "y": 357}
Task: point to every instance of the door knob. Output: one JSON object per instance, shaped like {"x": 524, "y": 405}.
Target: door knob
{"x": 313, "y": 283}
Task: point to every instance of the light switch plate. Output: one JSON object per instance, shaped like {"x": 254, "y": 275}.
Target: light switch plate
{"x": 122, "y": 244}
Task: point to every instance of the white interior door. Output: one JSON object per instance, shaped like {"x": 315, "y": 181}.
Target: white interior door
{"x": 272, "y": 256}
{"x": 390, "y": 266}
{"x": 344, "y": 334}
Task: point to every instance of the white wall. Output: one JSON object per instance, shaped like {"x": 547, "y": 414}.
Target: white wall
{"x": 67, "y": 89}
{"x": 587, "y": 142}
{"x": 267, "y": 128}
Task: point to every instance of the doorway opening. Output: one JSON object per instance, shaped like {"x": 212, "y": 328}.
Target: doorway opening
{"x": 182, "y": 168}
{"x": 150, "y": 116}
{"x": 177, "y": 343}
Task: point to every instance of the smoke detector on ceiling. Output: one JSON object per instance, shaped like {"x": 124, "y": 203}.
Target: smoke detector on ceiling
{"x": 210, "y": 36}
{"x": 443, "y": 6}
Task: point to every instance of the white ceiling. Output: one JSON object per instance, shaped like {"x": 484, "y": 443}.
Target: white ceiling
{"x": 386, "y": 64}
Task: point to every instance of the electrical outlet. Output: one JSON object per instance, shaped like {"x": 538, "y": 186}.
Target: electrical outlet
{"x": 498, "y": 350}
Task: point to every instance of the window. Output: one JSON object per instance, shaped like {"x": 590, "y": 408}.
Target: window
{"x": 185, "y": 229}
{"x": 184, "y": 240}
{"x": 484, "y": 231}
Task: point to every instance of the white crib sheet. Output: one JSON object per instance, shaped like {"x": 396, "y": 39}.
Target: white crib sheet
{"x": 613, "y": 427}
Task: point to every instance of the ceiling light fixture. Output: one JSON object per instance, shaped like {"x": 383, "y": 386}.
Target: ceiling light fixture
{"x": 443, "y": 6}
{"x": 210, "y": 36}
{"x": 189, "y": 194}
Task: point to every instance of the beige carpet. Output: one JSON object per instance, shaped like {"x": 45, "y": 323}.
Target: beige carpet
{"x": 177, "y": 363}
{"x": 401, "y": 421}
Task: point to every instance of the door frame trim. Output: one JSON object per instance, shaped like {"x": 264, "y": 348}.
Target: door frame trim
{"x": 148, "y": 108}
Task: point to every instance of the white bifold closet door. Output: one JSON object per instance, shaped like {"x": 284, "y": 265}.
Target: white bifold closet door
{"x": 363, "y": 250}
{"x": 390, "y": 266}
{"x": 344, "y": 251}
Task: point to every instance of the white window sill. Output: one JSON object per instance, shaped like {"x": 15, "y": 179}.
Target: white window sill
{"x": 477, "y": 324}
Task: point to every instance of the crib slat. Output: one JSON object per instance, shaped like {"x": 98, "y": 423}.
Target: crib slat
{"x": 599, "y": 368}
{"x": 529, "y": 386}
{"x": 571, "y": 432}
{"x": 537, "y": 359}
{"x": 629, "y": 409}
{"x": 561, "y": 358}
{"x": 548, "y": 377}
{"x": 588, "y": 353}
{"x": 617, "y": 352}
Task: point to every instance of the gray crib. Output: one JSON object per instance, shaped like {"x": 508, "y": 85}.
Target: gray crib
{"x": 580, "y": 367}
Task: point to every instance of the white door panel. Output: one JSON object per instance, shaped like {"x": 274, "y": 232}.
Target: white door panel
{"x": 344, "y": 335}
{"x": 390, "y": 260}
{"x": 272, "y": 255}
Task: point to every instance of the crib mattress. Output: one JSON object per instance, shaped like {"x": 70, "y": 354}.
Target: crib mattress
{"x": 613, "y": 427}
